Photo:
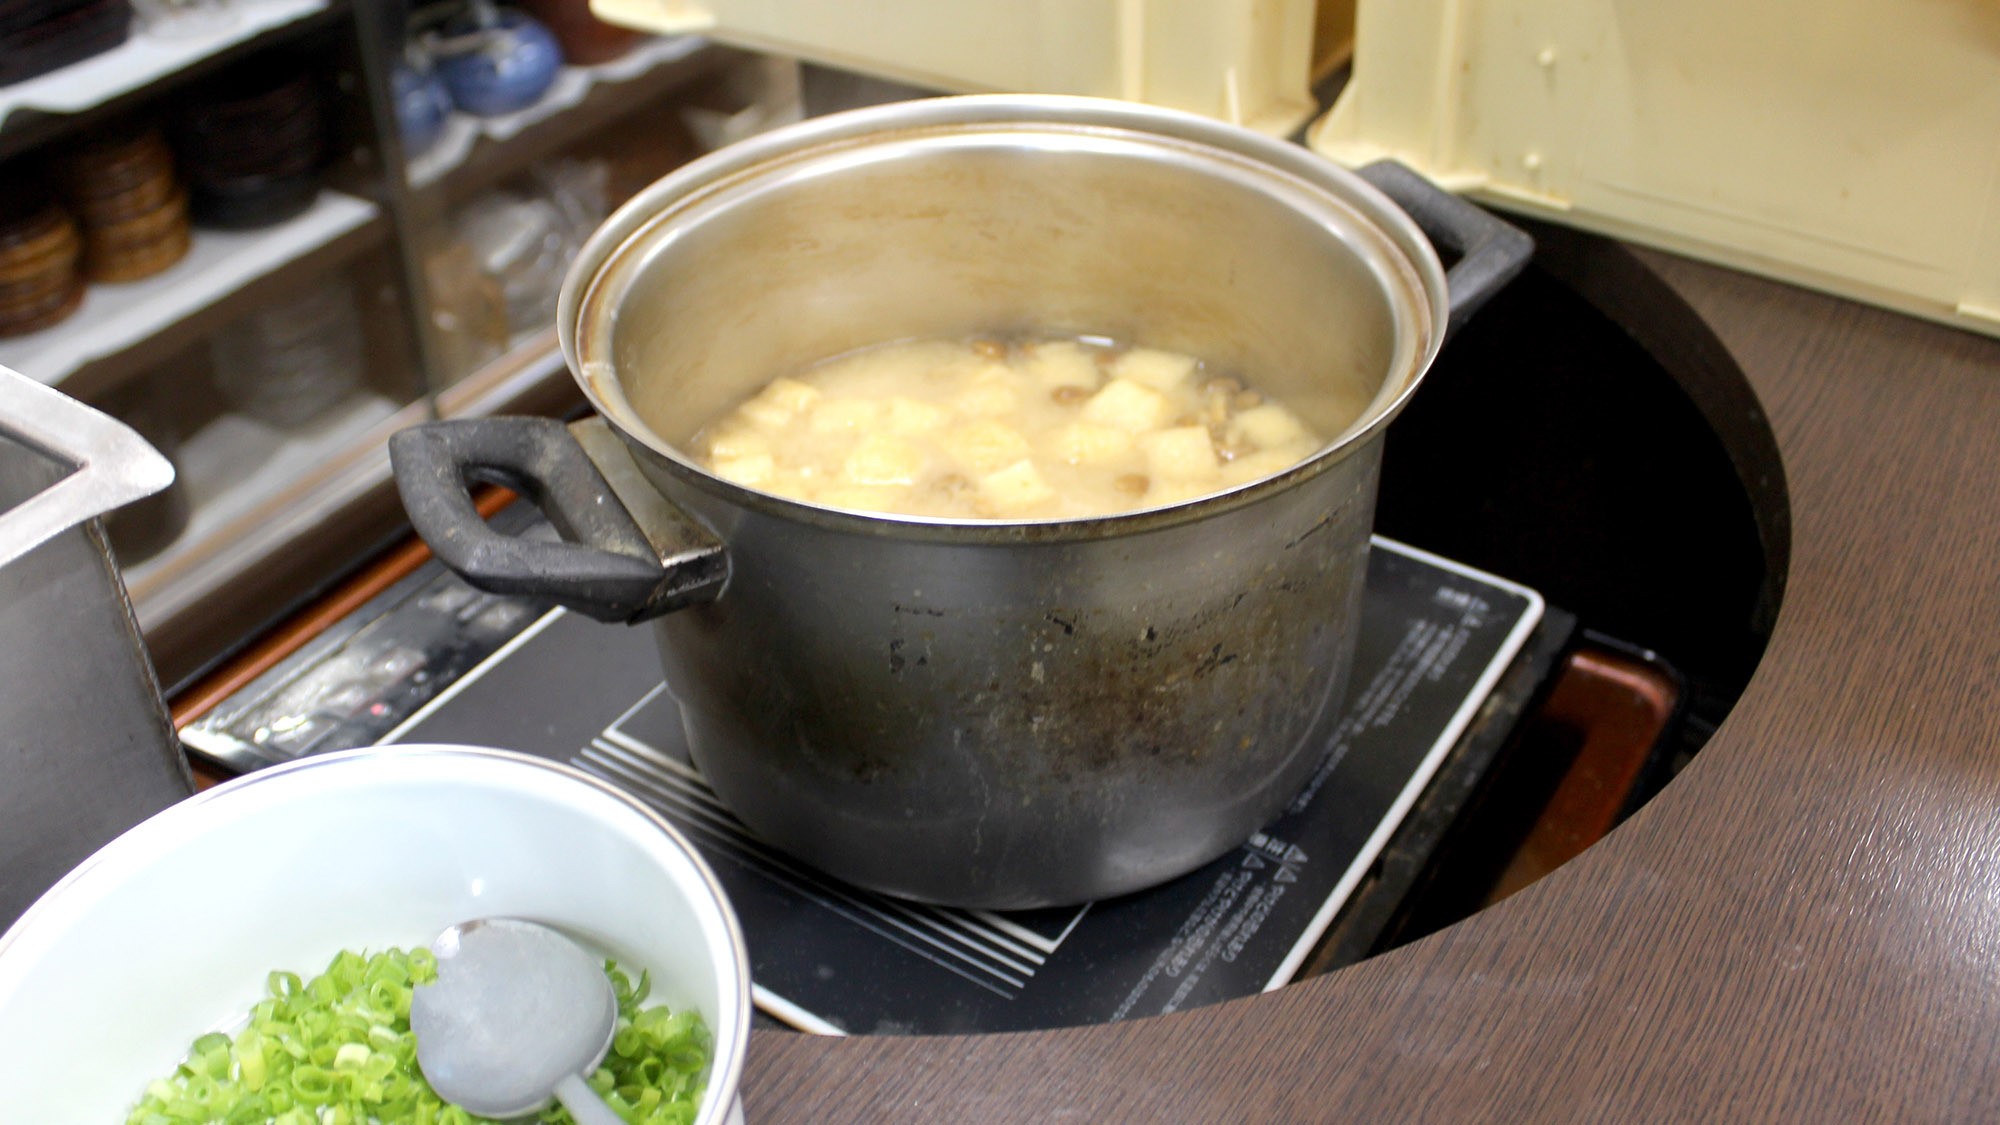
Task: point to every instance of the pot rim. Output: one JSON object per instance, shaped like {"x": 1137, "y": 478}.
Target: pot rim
{"x": 595, "y": 282}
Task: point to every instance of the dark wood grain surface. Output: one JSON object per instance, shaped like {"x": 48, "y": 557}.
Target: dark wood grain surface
{"x": 1805, "y": 925}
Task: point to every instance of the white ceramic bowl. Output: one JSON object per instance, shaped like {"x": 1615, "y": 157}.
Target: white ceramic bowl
{"x": 169, "y": 930}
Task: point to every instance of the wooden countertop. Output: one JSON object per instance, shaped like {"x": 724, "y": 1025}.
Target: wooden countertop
{"x": 1805, "y": 925}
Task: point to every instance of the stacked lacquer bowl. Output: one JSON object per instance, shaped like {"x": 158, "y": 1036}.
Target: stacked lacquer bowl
{"x": 252, "y": 145}
{"x": 39, "y": 250}
{"x": 133, "y": 210}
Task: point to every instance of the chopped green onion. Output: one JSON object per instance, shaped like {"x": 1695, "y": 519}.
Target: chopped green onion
{"x": 338, "y": 1050}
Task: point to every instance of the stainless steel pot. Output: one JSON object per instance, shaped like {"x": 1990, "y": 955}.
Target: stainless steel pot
{"x": 981, "y": 713}
{"x": 86, "y": 748}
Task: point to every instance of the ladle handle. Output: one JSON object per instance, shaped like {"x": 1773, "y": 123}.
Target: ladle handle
{"x": 583, "y": 1103}
{"x": 1490, "y": 251}
{"x": 606, "y": 566}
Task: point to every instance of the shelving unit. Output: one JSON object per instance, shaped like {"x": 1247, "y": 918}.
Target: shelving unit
{"x": 144, "y": 59}
{"x": 256, "y": 493}
{"x": 189, "y": 299}
{"x": 50, "y": 104}
{"x": 276, "y": 512}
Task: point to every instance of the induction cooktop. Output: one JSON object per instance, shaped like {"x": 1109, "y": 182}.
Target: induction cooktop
{"x": 432, "y": 660}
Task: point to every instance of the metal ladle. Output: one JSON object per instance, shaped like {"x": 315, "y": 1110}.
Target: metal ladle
{"x": 518, "y": 1013}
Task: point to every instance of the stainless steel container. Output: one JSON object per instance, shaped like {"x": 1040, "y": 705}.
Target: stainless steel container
{"x": 999, "y": 714}
{"x": 86, "y": 748}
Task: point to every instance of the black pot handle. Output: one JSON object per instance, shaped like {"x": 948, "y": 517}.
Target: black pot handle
{"x": 606, "y": 566}
{"x": 1490, "y": 251}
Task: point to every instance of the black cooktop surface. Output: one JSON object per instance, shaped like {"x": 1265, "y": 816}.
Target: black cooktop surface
{"x": 431, "y": 660}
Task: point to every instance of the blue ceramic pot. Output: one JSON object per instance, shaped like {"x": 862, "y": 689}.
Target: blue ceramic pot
{"x": 422, "y": 107}
{"x": 501, "y": 67}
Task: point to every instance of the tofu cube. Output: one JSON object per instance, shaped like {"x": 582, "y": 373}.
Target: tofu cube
{"x": 908, "y": 416}
{"x": 789, "y": 484}
{"x": 1256, "y": 466}
{"x": 763, "y": 413}
{"x": 1063, "y": 363}
{"x": 792, "y": 395}
{"x": 1184, "y": 453}
{"x": 983, "y": 446}
{"x": 843, "y": 415}
{"x": 1015, "y": 488}
{"x": 1267, "y": 427}
{"x": 884, "y": 459}
{"x": 1128, "y": 406}
{"x": 737, "y": 441}
{"x": 1162, "y": 371}
{"x": 988, "y": 398}
{"x": 1090, "y": 443}
{"x": 751, "y": 469}
{"x": 780, "y": 402}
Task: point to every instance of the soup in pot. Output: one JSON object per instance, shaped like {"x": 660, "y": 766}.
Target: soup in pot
{"x": 1049, "y": 429}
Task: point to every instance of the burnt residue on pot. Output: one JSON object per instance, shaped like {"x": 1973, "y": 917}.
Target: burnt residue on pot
{"x": 1103, "y": 703}
{"x": 1086, "y": 713}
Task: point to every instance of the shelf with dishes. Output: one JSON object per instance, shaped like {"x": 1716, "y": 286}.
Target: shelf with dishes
{"x": 129, "y": 239}
{"x": 276, "y": 422}
{"x": 258, "y": 502}
{"x": 459, "y": 150}
{"x": 128, "y": 54}
{"x": 514, "y": 216}
{"x": 307, "y": 483}
{"x": 89, "y": 350}
{"x": 271, "y": 345}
